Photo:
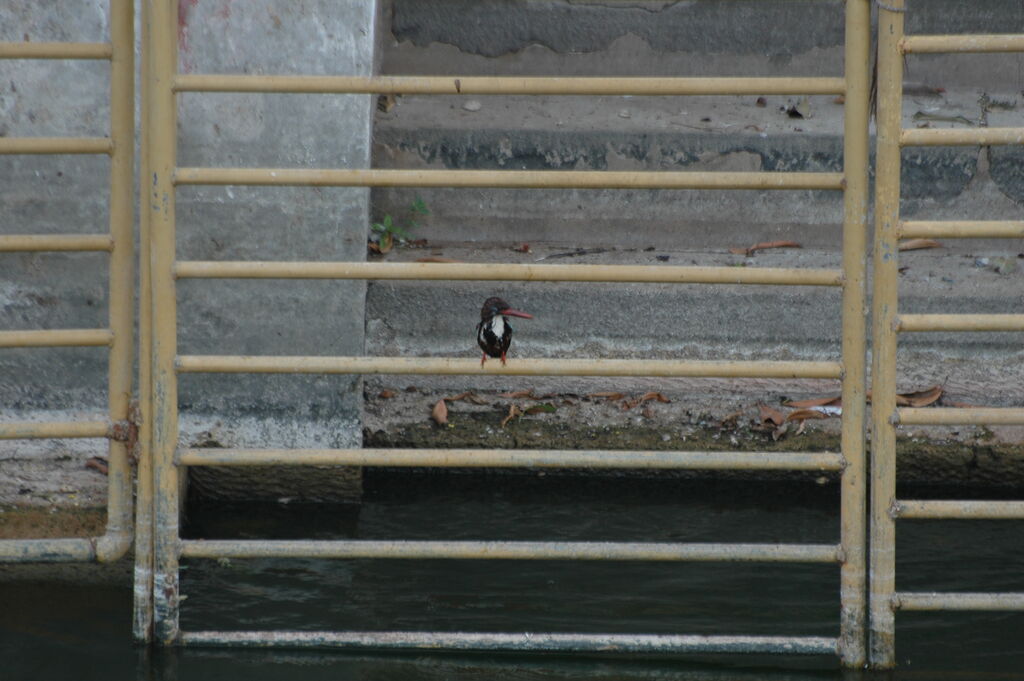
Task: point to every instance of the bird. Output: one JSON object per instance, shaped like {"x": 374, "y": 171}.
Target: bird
{"x": 494, "y": 333}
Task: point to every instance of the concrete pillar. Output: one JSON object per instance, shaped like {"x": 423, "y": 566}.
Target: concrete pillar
{"x": 68, "y": 194}
{"x": 262, "y": 223}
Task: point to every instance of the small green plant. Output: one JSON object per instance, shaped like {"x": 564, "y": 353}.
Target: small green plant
{"x": 417, "y": 207}
{"x": 388, "y": 230}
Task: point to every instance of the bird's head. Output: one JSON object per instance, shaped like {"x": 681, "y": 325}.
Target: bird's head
{"x": 495, "y": 306}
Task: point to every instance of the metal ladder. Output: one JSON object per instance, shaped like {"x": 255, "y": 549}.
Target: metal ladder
{"x": 888, "y": 322}
{"x": 119, "y": 427}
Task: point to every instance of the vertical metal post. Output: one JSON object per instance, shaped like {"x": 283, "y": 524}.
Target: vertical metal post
{"x": 163, "y": 18}
{"x": 853, "y": 529}
{"x": 142, "y": 623}
{"x": 117, "y": 539}
{"x": 883, "y": 370}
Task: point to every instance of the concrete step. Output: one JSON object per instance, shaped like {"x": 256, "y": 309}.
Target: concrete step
{"x": 672, "y": 134}
{"x": 664, "y": 38}
{"x": 699, "y": 38}
{"x": 694, "y": 321}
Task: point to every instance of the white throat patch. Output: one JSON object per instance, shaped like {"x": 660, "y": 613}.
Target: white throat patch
{"x": 498, "y": 325}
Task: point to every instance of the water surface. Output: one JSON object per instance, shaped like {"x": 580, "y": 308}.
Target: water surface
{"x": 82, "y": 632}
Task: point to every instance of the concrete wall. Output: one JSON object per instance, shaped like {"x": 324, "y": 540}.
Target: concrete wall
{"x": 697, "y": 38}
{"x": 252, "y": 130}
{"x": 701, "y": 37}
{"x": 67, "y": 194}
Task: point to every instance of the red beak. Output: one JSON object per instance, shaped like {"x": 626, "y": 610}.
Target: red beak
{"x": 515, "y": 313}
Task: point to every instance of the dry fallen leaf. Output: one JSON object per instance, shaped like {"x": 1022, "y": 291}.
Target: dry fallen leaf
{"x": 440, "y": 413}
{"x": 513, "y": 411}
{"x": 917, "y": 398}
{"x": 730, "y": 420}
{"x": 435, "y": 258}
{"x": 97, "y": 464}
{"x": 629, "y": 404}
{"x": 920, "y": 398}
{"x": 522, "y": 248}
{"x": 779, "y": 432}
{"x": 835, "y": 401}
{"x": 608, "y": 396}
{"x": 771, "y": 415}
{"x": 763, "y": 246}
{"x": 520, "y": 394}
{"x": 805, "y": 414}
{"x": 918, "y": 244}
{"x": 386, "y": 394}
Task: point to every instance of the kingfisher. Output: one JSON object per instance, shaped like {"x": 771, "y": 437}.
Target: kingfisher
{"x": 494, "y": 333}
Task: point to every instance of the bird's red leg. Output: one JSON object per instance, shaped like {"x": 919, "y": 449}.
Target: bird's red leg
{"x": 503, "y": 359}
{"x": 483, "y": 359}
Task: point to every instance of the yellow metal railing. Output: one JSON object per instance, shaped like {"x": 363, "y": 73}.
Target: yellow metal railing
{"x": 119, "y": 146}
{"x": 159, "y": 333}
{"x": 888, "y": 322}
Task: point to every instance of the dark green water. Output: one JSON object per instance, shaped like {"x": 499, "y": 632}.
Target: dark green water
{"x": 50, "y": 631}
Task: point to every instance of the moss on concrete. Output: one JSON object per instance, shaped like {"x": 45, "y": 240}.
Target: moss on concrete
{"x": 985, "y": 463}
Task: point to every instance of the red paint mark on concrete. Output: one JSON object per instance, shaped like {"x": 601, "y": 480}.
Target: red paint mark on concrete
{"x": 184, "y": 8}
{"x": 224, "y": 12}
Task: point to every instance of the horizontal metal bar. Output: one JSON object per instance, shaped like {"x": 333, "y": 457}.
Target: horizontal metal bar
{"x": 962, "y": 229}
{"x": 56, "y": 145}
{"x": 248, "y": 364}
{"x": 921, "y": 44}
{"x": 52, "y": 338}
{"x": 909, "y": 600}
{"x": 526, "y": 641}
{"x": 510, "y": 179}
{"x": 511, "y": 458}
{"x": 71, "y": 429}
{"x": 508, "y": 85}
{"x": 28, "y": 50}
{"x": 949, "y": 416}
{"x": 943, "y": 137}
{"x": 508, "y": 272}
{"x": 47, "y": 550}
{"x": 55, "y": 242}
{"x": 508, "y": 550}
{"x": 960, "y": 322}
{"x": 958, "y": 509}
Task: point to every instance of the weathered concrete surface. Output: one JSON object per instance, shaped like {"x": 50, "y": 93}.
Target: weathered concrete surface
{"x": 699, "y": 38}
{"x": 262, "y": 317}
{"x": 233, "y": 317}
{"x": 61, "y": 194}
{"x": 976, "y": 461}
{"x": 691, "y": 134}
{"x": 708, "y": 322}
{"x": 446, "y": 36}
{"x": 690, "y": 227}
{"x": 662, "y": 37}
